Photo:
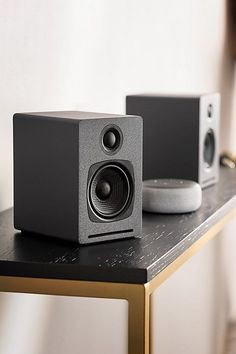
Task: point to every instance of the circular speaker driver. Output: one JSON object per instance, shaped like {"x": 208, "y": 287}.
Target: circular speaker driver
{"x": 109, "y": 191}
{"x": 111, "y": 139}
{"x": 209, "y": 148}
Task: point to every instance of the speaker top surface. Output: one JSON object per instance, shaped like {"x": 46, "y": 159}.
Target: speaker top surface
{"x": 178, "y": 96}
{"x": 72, "y": 115}
{"x": 169, "y": 183}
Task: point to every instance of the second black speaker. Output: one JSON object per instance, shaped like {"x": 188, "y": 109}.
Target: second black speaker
{"x": 180, "y": 136}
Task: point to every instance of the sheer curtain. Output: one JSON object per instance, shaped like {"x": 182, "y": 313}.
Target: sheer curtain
{"x": 227, "y": 240}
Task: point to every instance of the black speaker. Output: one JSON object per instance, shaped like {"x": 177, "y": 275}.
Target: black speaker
{"x": 181, "y": 136}
{"x": 78, "y": 175}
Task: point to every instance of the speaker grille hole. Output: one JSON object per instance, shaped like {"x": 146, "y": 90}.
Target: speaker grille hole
{"x": 209, "y": 148}
{"x": 110, "y": 191}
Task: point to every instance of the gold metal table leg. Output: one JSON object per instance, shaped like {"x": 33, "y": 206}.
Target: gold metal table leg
{"x": 139, "y": 321}
{"x": 137, "y": 295}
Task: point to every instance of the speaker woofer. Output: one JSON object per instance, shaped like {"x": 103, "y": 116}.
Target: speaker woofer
{"x": 110, "y": 191}
{"x": 209, "y": 148}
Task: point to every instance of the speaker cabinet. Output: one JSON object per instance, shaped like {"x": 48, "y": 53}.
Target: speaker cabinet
{"x": 78, "y": 175}
{"x": 181, "y": 136}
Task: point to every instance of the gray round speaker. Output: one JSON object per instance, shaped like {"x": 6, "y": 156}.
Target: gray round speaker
{"x": 171, "y": 196}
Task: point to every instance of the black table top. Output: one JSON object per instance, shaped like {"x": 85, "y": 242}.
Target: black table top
{"x": 164, "y": 239}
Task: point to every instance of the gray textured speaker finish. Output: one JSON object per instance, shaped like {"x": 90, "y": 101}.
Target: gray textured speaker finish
{"x": 174, "y": 131}
{"x": 171, "y": 196}
{"x": 53, "y": 152}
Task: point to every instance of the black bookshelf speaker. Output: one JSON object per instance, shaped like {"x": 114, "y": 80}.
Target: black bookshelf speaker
{"x": 78, "y": 175}
{"x": 181, "y": 136}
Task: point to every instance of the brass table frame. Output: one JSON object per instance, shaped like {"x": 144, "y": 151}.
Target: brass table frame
{"x": 137, "y": 295}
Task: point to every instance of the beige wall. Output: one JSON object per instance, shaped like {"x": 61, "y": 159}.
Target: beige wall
{"x": 88, "y": 55}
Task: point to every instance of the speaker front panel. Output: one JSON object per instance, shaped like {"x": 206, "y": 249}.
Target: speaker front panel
{"x": 209, "y": 139}
{"x": 110, "y": 180}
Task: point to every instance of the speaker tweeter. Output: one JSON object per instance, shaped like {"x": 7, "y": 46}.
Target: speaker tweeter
{"x": 111, "y": 139}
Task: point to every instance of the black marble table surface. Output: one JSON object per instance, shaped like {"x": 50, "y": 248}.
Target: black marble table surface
{"x": 164, "y": 239}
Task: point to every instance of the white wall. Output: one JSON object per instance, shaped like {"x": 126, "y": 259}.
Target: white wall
{"x": 88, "y": 55}
{"x": 185, "y": 314}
